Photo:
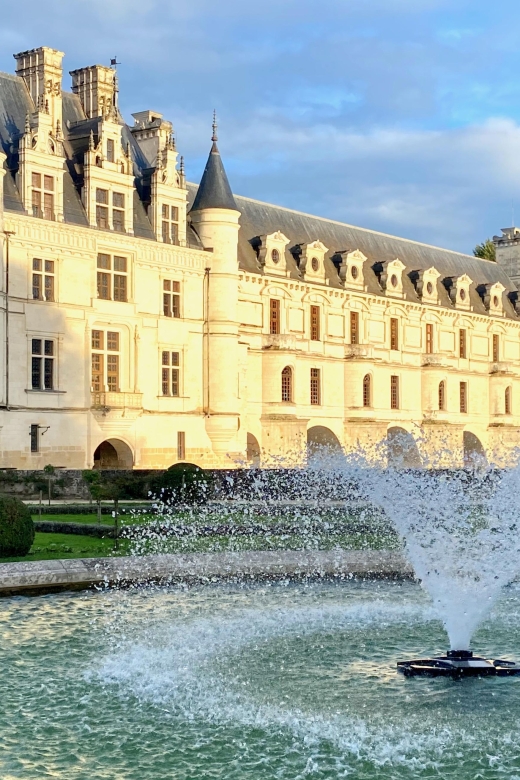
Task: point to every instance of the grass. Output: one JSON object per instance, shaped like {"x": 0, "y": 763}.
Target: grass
{"x": 50, "y": 547}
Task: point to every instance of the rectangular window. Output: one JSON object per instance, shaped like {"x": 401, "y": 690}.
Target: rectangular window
{"x": 170, "y": 224}
{"x": 105, "y": 361}
{"x": 42, "y": 364}
{"x": 315, "y": 323}
{"x": 394, "y": 392}
{"x": 112, "y": 277}
{"x": 170, "y": 373}
{"x": 171, "y": 298}
{"x": 464, "y": 397}
{"x": 354, "y": 327}
{"x": 496, "y": 348}
{"x": 110, "y": 150}
{"x": 315, "y": 387}
{"x": 274, "y": 316}
{"x": 462, "y": 343}
{"x": 42, "y": 198}
{"x": 181, "y": 445}
{"x": 429, "y": 338}
{"x": 43, "y": 280}
{"x": 102, "y": 208}
{"x": 394, "y": 333}
{"x": 35, "y": 438}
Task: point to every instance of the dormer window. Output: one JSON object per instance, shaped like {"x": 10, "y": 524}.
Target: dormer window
{"x": 391, "y": 278}
{"x": 275, "y": 256}
{"x": 458, "y": 288}
{"x": 351, "y": 268}
{"x": 170, "y": 224}
{"x": 42, "y": 196}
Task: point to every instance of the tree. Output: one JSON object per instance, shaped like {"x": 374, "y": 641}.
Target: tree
{"x": 486, "y": 250}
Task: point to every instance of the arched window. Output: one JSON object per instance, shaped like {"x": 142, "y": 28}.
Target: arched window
{"x": 287, "y": 385}
{"x": 442, "y": 396}
{"x": 508, "y": 399}
{"x": 367, "y": 390}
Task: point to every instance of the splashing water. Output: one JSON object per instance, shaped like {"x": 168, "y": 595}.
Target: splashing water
{"x": 461, "y": 534}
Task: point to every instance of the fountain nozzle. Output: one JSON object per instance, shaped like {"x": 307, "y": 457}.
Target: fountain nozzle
{"x": 459, "y": 654}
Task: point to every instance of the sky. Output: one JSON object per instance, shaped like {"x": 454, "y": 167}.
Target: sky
{"x": 397, "y": 115}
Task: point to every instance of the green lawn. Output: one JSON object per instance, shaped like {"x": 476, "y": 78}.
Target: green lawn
{"x": 49, "y": 547}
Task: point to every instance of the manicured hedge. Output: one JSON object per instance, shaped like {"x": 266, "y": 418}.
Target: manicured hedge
{"x": 16, "y": 527}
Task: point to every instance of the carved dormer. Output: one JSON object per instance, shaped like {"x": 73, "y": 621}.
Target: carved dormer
{"x": 492, "y": 296}
{"x": 312, "y": 261}
{"x": 458, "y": 289}
{"x": 350, "y": 269}
{"x": 167, "y": 185}
{"x": 271, "y": 253}
{"x": 41, "y": 166}
{"x": 426, "y": 285}
{"x": 391, "y": 278}
{"x": 108, "y": 178}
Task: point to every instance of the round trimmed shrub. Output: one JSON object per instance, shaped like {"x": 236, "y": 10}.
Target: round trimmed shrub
{"x": 16, "y": 527}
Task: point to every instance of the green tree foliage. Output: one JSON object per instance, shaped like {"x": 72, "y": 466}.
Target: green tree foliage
{"x": 486, "y": 250}
{"x": 182, "y": 483}
{"x": 16, "y": 527}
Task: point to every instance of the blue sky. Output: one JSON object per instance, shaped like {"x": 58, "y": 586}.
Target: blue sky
{"x": 397, "y": 115}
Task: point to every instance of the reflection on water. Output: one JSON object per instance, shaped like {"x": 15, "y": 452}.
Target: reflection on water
{"x": 281, "y": 681}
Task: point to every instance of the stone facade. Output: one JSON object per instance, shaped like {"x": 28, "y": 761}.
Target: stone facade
{"x": 147, "y": 321}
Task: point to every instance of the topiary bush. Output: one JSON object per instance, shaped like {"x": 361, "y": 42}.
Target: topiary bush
{"x": 16, "y": 527}
{"x": 182, "y": 483}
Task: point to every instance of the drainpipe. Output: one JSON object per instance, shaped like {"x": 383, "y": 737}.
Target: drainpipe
{"x": 7, "y": 234}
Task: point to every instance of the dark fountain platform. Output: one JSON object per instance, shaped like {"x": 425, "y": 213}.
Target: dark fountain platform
{"x": 458, "y": 663}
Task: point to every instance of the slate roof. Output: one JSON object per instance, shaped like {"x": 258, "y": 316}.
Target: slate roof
{"x": 257, "y": 218}
{"x": 214, "y": 191}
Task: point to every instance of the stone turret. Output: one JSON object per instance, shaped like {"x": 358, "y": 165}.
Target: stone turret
{"x": 507, "y": 248}
{"x": 214, "y": 216}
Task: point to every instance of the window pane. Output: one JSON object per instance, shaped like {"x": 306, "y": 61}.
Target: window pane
{"x": 175, "y": 358}
{"x": 166, "y": 284}
{"x": 110, "y": 150}
{"x": 176, "y": 287}
{"x": 119, "y": 288}
{"x": 49, "y": 288}
{"x": 103, "y": 286}
{"x": 120, "y": 264}
{"x": 175, "y": 214}
{"x": 113, "y": 341}
{"x": 97, "y": 373}
{"x": 174, "y": 232}
{"x": 167, "y": 309}
{"x": 102, "y": 217}
{"x": 175, "y": 381}
{"x": 36, "y": 180}
{"x": 97, "y": 339}
{"x": 49, "y": 266}
{"x": 37, "y": 264}
{"x": 113, "y": 373}
{"x": 118, "y": 200}
{"x": 37, "y": 287}
{"x": 118, "y": 221}
{"x": 274, "y": 316}
{"x": 36, "y": 373}
{"x": 176, "y": 306}
{"x": 166, "y": 232}
{"x": 164, "y": 211}
{"x": 166, "y": 381}
{"x": 103, "y": 261}
{"x": 315, "y": 323}
{"x": 48, "y": 379}
{"x": 48, "y": 206}
{"x": 354, "y": 327}
{"x": 36, "y": 346}
{"x": 166, "y": 358}
{"x": 102, "y": 196}
{"x": 48, "y": 183}
{"x": 49, "y": 347}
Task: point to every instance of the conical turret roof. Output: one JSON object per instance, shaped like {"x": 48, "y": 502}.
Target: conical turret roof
{"x": 214, "y": 191}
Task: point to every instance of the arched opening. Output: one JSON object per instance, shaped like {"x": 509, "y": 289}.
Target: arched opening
{"x": 508, "y": 401}
{"x": 321, "y": 442}
{"x": 287, "y": 384}
{"x": 474, "y": 452}
{"x": 402, "y": 450}
{"x": 442, "y": 396}
{"x": 113, "y": 454}
{"x": 367, "y": 390}
{"x": 253, "y": 450}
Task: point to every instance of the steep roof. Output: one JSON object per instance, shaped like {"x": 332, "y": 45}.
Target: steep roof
{"x": 214, "y": 191}
{"x": 258, "y": 218}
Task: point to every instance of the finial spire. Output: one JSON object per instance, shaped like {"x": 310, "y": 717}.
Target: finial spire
{"x": 181, "y": 166}
{"x": 214, "y": 137}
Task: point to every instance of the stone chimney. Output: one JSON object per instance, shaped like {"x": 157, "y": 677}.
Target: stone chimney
{"x": 96, "y": 87}
{"x": 41, "y": 70}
